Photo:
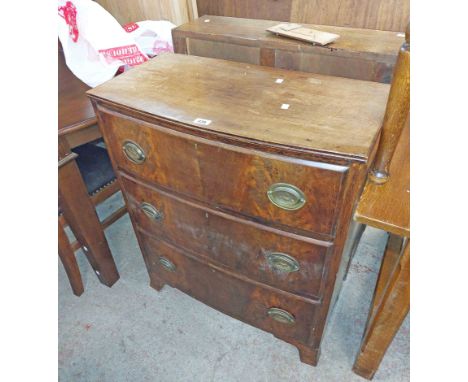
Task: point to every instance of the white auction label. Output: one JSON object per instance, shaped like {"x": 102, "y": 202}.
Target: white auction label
{"x": 201, "y": 121}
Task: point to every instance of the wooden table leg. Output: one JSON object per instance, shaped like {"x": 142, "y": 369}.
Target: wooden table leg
{"x": 83, "y": 220}
{"x": 67, "y": 256}
{"x": 389, "y": 308}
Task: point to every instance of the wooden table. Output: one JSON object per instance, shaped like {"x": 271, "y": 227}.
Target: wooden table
{"x": 386, "y": 207}
{"x": 76, "y": 126}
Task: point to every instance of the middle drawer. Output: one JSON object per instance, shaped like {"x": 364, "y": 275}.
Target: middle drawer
{"x": 283, "y": 260}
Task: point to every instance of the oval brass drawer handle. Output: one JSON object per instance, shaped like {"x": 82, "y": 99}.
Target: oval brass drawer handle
{"x": 286, "y": 196}
{"x": 282, "y": 262}
{"x": 151, "y": 211}
{"x": 133, "y": 152}
{"x": 167, "y": 264}
{"x": 282, "y": 316}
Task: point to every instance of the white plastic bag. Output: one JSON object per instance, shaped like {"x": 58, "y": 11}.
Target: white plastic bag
{"x": 96, "y": 46}
{"x": 153, "y": 37}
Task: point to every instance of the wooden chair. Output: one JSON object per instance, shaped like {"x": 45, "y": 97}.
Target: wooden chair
{"x": 384, "y": 204}
{"x": 86, "y": 179}
{"x": 77, "y": 201}
{"x": 96, "y": 170}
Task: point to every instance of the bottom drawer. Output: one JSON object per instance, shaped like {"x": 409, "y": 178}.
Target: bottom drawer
{"x": 284, "y": 315}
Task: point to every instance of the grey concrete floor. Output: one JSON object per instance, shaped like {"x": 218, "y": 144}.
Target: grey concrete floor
{"x": 130, "y": 332}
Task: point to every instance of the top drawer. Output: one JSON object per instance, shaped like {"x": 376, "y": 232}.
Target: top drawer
{"x": 273, "y": 189}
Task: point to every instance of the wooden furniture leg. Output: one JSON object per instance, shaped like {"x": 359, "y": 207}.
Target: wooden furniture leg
{"x": 67, "y": 256}
{"x": 396, "y": 115}
{"x": 82, "y": 218}
{"x": 390, "y": 306}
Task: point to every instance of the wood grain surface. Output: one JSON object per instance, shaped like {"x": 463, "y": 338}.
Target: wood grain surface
{"x": 227, "y": 292}
{"x": 313, "y": 112}
{"x": 251, "y": 32}
{"x": 240, "y": 185}
{"x": 81, "y": 215}
{"x": 396, "y": 114}
{"x": 253, "y": 9}
{"x": 358, "y": 53}
{"x": 391, "y": 15}
{"x": 176, "y": 11}
{"x": 212, "y": 136}
{"x": 67, "y": 256}
{"x": 389, "y": 308}
{"x": 239, "y": 244}
{"x": 75, "y": 111}
{"x": 386, "y": 206}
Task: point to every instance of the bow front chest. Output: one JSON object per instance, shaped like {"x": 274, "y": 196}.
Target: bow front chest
{"x": 241, "y": 181}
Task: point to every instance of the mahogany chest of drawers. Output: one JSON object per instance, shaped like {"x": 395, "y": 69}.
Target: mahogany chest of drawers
{"x": 362, "y": 54}
{"x": 241, "y": 180}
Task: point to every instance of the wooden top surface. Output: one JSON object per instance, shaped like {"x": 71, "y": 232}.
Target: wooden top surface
{"x": 387, "y": 206}
{"x": 253, "y": 32}
{"x": 74, "y": 108}
{"x": 325, "y": 114}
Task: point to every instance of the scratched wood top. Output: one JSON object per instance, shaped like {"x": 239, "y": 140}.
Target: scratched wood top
{"x": 325, "y": 114}
{"x": 353, "y": 41}
{"x": 387, "y": 206}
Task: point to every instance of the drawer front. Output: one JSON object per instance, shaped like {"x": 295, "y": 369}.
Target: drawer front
{"x": 283, "y": 315}
{"x": 288, "y": 193}
{"x": 223, "y": 50}
{"x": 358, "y": 68}
{"x": 331, "y": 63}
{"x": 288, "y": 262}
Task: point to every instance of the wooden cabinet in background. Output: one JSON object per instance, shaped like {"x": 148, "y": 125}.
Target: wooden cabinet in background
{"x": 176, "y": 11}
{"x": 389, "y": 15}
{"x": 361, "y": 54}
{"x": 241, "y": 181}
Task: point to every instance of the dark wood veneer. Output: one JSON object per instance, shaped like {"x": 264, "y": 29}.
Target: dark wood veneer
{"x": 228, "y": 292}
{"x": 240, "y": 184}
{"x": 239, "y": 244}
